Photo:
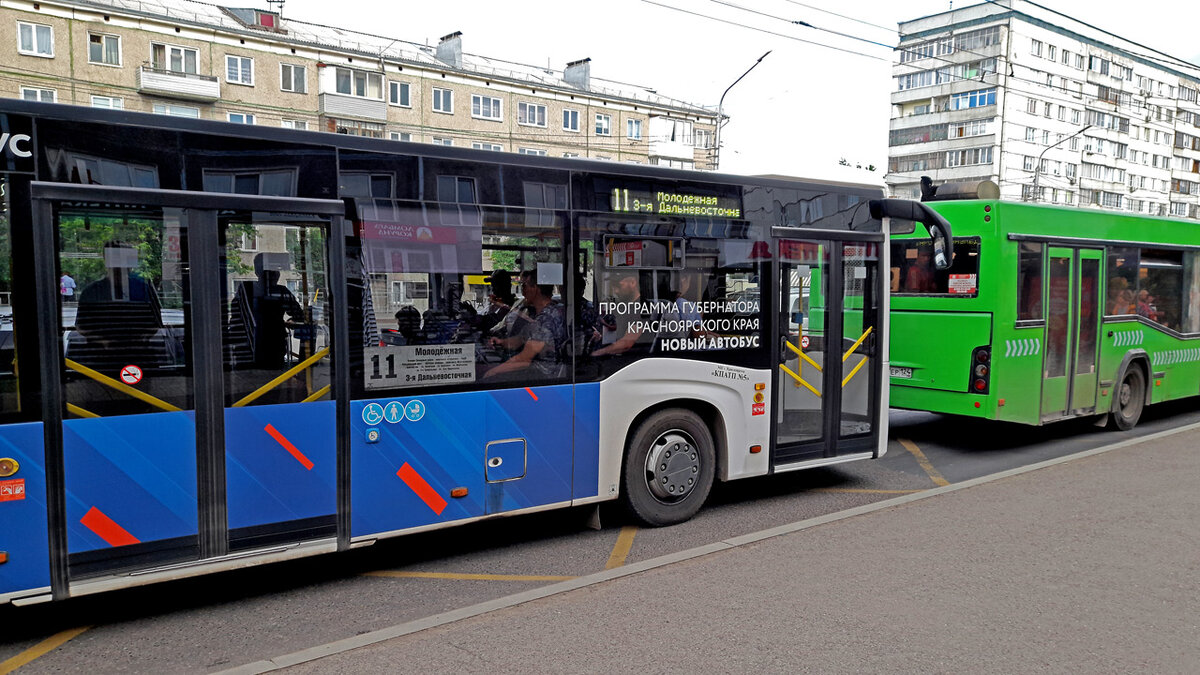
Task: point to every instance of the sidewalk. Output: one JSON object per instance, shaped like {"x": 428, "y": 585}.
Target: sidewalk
{"x": 1089, "y": 565}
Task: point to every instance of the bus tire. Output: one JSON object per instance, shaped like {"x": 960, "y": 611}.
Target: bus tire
{"x": 1130, "y": 398}
{"x": 669, "y": 467}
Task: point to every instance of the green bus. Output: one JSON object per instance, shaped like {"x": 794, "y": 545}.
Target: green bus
{"x": 1046, "y": 313}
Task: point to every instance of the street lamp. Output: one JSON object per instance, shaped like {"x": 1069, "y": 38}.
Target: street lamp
{"x": 721, "y": 109}
{"x": 1037, "y": 168}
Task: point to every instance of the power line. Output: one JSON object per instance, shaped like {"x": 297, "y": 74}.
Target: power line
{"x": 768, "y": 32}
{"x": 803, "y": 23}
{"x": 843, "y": 16}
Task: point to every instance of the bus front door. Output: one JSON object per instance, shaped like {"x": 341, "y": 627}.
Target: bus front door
{"x": 186, "y": 348}
{"x": 827, "y": 395}
{"x": 1069, "y": 367}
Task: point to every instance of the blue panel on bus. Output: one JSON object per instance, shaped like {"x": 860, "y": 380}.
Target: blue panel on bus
{"x": 129, "y": 479}
{"x": 280, "y": 462}
{"x": 23, "y": 533}
{"x": 586, "y": 474}
{"x": 404, "y": 478}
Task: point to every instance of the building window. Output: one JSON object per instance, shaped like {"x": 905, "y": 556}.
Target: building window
{"x": 1052, "y": 52}
{"x": 104, "y": 49}
{"x": 973, "y": 99}
{"x": 357, "y": 83}
{"x": 239, "y": 70}
{"x": 108, "y": 102}
{"x": 456, "y": 189}
{"x": 571, "y": 120}
{"x": 436, "y": 140}
{"x": 603, "y": 125}
{"x": 398, "y": 94}
{"x": 969, "y": 156}
{"x": 1031, "y": 106}
{"x": 443, "y": 101}
{"x": 176, "y": 110}
{"x": 399, "y": 136}
{"x": 532, "y": 151}
{"x": 35, "y": 39}
{"x": 493, "y": 147}
{"x": 174, "y": 59}
{"x": 486, "y": 107}
{"x": 292, "y": 78}
{"x": 633, "y": 129}
{"x": 570, "y": 154}
{"x": 294, "y": 124}
{"x": 532, "y": 114}
{"x": 1030, "y": 134}
{"x": 43, "y": 95}
{"x": 1036, "y": 47}
{"x": 241, "y": 118}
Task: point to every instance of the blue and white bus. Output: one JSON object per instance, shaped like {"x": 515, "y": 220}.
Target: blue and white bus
{"x": 226, "y": 345}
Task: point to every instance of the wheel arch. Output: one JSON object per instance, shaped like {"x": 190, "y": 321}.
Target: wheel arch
{"x": 1136, "y": 358}
{"x": 708, "y": 413}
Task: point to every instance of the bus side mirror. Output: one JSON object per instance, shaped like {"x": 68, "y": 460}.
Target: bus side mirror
{"x": 911, "y": 211}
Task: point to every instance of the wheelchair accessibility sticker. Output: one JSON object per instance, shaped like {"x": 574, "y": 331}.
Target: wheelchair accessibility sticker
{"x": 372, "y": 414}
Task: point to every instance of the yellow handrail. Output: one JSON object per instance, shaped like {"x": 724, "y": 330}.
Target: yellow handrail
{"x": 282, "y": 378}
{"x": 855, "y": 370}
{"x": 316, "y": 394}
{"x": 856, "y": 344}
{"x": 120, "y": 386}
{"x": 804, "y": 356}
{"x": 71, "y": 407}
{"x": 799, "y": 379}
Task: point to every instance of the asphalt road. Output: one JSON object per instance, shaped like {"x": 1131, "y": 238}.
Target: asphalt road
{"x": 222, "y": 621}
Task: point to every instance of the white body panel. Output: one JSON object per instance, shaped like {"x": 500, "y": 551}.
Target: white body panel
{"x": 651, "y": 382}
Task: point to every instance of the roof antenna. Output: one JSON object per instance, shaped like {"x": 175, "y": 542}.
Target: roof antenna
{"x": 279, "y": 9}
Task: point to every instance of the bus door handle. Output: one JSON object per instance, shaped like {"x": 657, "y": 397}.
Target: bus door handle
{"x": 1110, "y": 333}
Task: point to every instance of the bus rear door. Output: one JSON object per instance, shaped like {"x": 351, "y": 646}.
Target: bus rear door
{"x": 188, "y": 390}
{"x": 1069, "y": 368}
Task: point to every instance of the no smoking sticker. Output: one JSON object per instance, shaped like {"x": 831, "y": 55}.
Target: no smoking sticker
{"x": 804, "y": 342}
{"x": 131, "y": 374}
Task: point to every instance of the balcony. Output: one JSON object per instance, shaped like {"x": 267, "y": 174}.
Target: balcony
{"x": 175, "y": 84}
{"x": 353, "y": 107}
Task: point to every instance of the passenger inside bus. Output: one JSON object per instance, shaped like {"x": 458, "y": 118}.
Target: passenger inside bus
{"x": 257, "y": 314}
{"x": 919, "y": 274}
{"x": 536, "y": 344}
{"x": 119, "y": 320}
{"x": 616, "y": 334}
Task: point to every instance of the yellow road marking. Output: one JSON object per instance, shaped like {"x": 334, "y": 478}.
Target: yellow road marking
{"x": 923, "y": 461}
{"x": 465, "y": 577}
{"x": 41, "y": 649}
{"x": 621, "y": 550}
{"x": 862, "y": 491}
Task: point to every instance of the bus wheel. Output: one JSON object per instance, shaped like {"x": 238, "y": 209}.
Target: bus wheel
{"x": 669, "y": 468}
{"x": 1131, "y": 398}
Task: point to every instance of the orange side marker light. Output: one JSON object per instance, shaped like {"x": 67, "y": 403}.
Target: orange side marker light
{"x": 459, "y": 492}
{"x": 3, "y": 557}
{"x": 755, "y": 449}
{"x": 759, "y": 386}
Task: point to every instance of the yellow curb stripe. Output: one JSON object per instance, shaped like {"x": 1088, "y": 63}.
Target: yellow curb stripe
{"x": 923, "y": 461}
{"x": 465, "y": 577}
{"x": 621, "y": 549}
{"x": 41, "y": 649}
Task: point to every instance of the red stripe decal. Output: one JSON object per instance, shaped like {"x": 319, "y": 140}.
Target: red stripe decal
{"x": 106, "y": 529}
{"x": 287, "y": 445}
{"x": 424, "y": 490}
{"x": 531, "y": 393}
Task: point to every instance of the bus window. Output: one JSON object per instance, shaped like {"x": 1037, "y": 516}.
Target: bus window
{"x": 913, "y": 271}
{"x": 487, "y": 284}
{"x": 1160, "y": 275}
{"x": 1122, "y": 281}
{"x": 1029, "y": 282}
{"x": 8, "y": 357}
{"x": 1190, "y": 322}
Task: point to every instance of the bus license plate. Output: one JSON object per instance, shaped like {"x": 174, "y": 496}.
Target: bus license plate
{"x": 901, "y": 372}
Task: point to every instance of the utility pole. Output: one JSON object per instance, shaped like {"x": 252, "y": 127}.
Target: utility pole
{"x": 721, "y": 113}
{"x": 1037, "y": 168}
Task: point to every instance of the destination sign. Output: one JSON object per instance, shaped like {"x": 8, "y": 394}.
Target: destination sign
{"x": 624, "y": 200}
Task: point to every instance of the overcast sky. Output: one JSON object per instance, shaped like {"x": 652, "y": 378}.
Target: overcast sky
{"x": 800, "y": 111}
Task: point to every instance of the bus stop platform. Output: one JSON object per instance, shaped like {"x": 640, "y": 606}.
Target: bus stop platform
{"x": 1089, "y": 563}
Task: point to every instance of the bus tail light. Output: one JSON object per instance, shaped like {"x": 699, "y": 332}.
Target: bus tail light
{"x": 981, "y": 370}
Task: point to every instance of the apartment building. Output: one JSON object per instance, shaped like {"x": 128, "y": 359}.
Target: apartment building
{"x": 254, "y": 66}
{"x": 1051, "y": 109}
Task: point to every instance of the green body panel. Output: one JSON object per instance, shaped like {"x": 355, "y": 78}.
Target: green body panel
{"x": 934, "y": 368}
{"x": 935, "y": 329}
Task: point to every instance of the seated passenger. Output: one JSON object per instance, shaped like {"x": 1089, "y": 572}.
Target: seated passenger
{"x": 537, "y": 343}
{"x": 920, "y": 274}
